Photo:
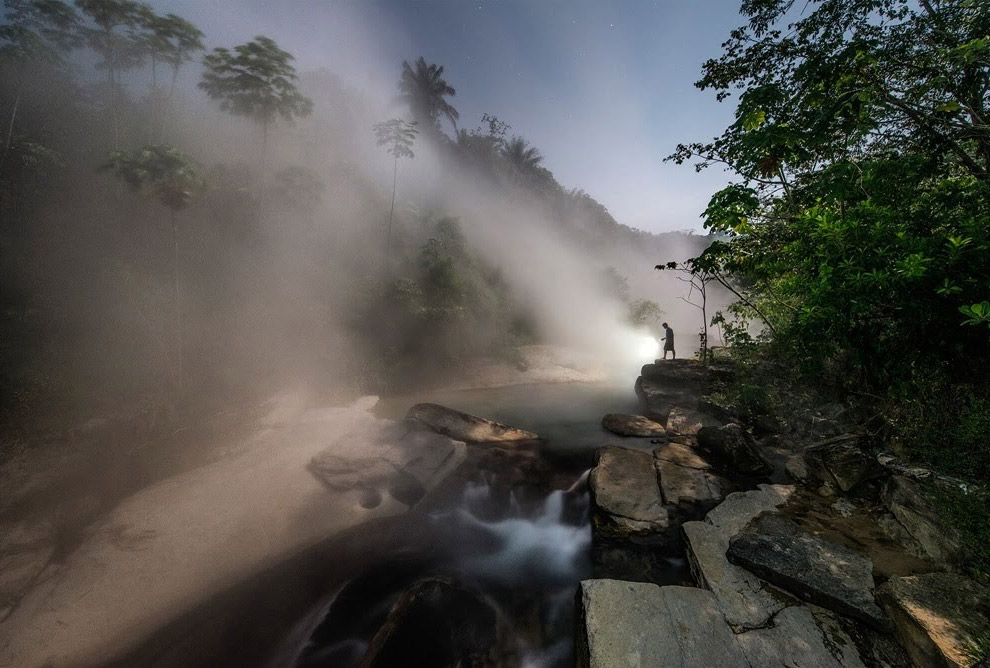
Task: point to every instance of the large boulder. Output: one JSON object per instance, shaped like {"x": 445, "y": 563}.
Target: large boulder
{"x": 657, "y": 399}
{"x": 688, "y": 422}
{"x": 436, "y": 623}
{"x": 914, "y": 504}
{"x": 641, "y": 624}
{"x": 841, "y": 460}
{"x": 937, "y": 616}
{"x": 625, "y": 494}
{"x": 633, "y": 425}
{"x": 464, "y": 427}
{"x": 813, "y": 569}
{"x": 404, "y": 466}
{"x": 732, "y": 448}
{"x": 686, "y": 478}
{"x": 682, "y": 373}
{"x": 740, "y": 508}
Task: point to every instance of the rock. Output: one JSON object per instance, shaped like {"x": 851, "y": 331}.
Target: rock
{"x": 436, "y": 623}
{"x": 739, "y": 508}
{"x": 844, "y": 507}
{"x": 680, "y": 454}
{"x": 715, "y": 408}
{"x": 744, "y": 601}
{"x": 682, "y": 373}
{"x": 688, "y": 485}
{"x": 633, "y": 425}
{"x": 733, "y": 448}
{"x": 797, "y": 468}
{"x": 740, "y": 595}
{"x": 625, "y": 495}
{"x": 914, "y": 505}
{"x": 796, "y": 639}
{"x": 937, "y": 616}
{"x": 687, "y": 422}
{"x": 657, "y": 400}
{"x": 813, "y": 569}
{"x": 640, "y": 624}
{"x": 842, "y": 460}
{"x": 405, "y": 466}
{"x": 464, "y": 427}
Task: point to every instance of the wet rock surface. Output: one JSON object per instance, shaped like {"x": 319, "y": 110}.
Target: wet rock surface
{"x": 937, "y": 616}
{"x": 633, "y": 425}
{"x": 436, "y": 623}
{"x": 625, "y": 494}
{"x": 812, "y": 569}
{"x": 733, "y": 449}
{"x": 657, "y": 399}
{"x": 686, "y": 479}
{"x": 465, "y": 427}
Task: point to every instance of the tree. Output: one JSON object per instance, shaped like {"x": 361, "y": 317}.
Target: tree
{"x": 172, "y": 178}
{"x": 34, "y": 30}
{"x": 255, "y": 80}
{"x": 697, "y": 277}
{"x": 523, "y": 158}
{"x": 172, "y": 40}
{"x": 119, "y": 38}
{"x": 397, "y": 136}
{"x": 424, "y": 89}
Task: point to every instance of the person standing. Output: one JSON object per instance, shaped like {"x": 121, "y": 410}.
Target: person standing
{"x": 668, "y": 342}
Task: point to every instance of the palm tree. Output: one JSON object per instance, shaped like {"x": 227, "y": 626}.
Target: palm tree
{"x": 172, "y": 178}
{"x": 523, "y": 157}
{"x": 423, "y": 88}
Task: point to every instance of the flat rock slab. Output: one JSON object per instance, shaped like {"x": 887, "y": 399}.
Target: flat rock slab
{"x": 688, "y": 422}
{"x": 640, "y": 624}
{"x": 465, "y": 427}
{"x": 678, "y": 373}
{"x": 740, "y": 595}
{"x": 796, "y": 639}
{"x": 740, "y": 508}
{"x": 625, "y": 494}
{"x": 813, "y": 569}
{"x": 682, "y": 455}
{"x": 688, "y": 485}
{"x": 633, "y": 425}
{"x": 937, "y": 616}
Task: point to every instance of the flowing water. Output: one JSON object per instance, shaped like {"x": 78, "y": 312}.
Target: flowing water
{"x": 515, "y": 531}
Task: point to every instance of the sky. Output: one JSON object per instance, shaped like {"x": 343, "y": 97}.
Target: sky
{"x": 603, "y": 89}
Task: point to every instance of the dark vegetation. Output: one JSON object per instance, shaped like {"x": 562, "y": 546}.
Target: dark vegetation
{"x": 857, "y": 229}
{"x": 161, "y": 257}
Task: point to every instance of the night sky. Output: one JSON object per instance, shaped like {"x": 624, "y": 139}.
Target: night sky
{"x": 604, "y": 90}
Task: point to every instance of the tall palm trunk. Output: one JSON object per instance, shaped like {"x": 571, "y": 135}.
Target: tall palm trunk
{"x": 8, "y": 140}
{"x": 178, "y": 301}
{"x": 395, "y": 171}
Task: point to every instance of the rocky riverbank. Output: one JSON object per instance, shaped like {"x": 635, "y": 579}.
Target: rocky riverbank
{"x": 804, "y": 548}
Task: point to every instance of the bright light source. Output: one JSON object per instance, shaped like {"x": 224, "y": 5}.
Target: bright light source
{"x": 647, "y": 347}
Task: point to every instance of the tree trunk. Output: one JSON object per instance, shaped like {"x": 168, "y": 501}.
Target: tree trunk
{"x": 10, "y": 126}
{"x": 264, "y": 149}
{"x": 178, "y": 303}
{"x": 395, "y": 171}
{"x": 112, "y": 80}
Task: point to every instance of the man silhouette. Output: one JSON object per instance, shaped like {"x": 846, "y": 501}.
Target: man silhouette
{"x": 668, "y": 342}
